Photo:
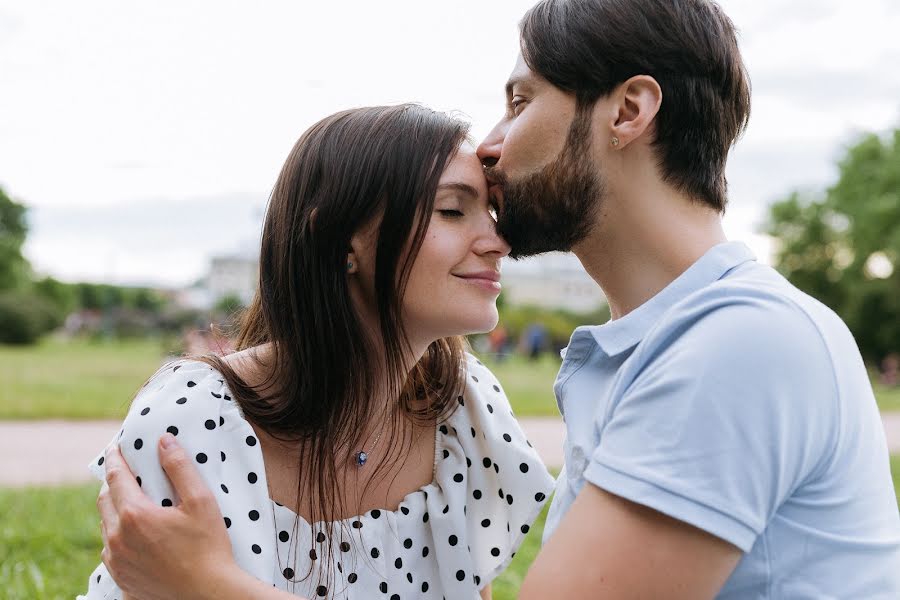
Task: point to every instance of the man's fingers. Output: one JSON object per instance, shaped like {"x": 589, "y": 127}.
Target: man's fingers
{"x": 185, "y": 477}
{"x": 109, "y": 518}
{"x": 123, "y": 487}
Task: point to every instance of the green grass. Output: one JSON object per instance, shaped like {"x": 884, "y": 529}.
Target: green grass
{"x": 895, "y": 474}
{"x": 528, "y": 384}
{"x": 76, "y": 380}
{"x": 50, "y": 544}
{"x": 506, "y": 585}
{"x": 888, "y": 398}
{"x": 85, "y": 380}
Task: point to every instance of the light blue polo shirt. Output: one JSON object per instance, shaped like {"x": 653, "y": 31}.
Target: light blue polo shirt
{"x": 736, "y": 403}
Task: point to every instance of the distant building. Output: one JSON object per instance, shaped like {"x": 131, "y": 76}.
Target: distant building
{"x": 234, "y": 275}
{"x": 553, "y": 280}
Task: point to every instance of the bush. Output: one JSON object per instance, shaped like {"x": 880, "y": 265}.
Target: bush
{"x": 559, "y": 323}
{"x": 25, "y": 317}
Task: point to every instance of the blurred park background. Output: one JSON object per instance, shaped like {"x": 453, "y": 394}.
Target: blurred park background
{"x": 138, "y": 143}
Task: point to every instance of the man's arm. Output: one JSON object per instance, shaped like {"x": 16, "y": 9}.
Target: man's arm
{"x": 609, "y": 547}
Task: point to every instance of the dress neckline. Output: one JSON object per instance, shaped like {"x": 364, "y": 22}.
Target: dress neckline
{"x": 406, "y": 500}
{"x": 368, "y": 515}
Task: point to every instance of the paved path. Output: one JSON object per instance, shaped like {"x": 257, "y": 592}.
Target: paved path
{"x": 57, "y": 452}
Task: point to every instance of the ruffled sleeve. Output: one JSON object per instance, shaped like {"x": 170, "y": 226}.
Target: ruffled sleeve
{"x": 485, "y": 452}
{"x": 190, "y": 400}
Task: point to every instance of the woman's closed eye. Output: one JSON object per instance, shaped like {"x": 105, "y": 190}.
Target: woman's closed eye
{"x": 450, "y": 213}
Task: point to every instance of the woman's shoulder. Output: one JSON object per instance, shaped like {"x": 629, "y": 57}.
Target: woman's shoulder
{"x": 491, "y": 480}
{"x": 180, "y": 390}
{"x": 186, "y": 398}
{"x": 482, "y": 392}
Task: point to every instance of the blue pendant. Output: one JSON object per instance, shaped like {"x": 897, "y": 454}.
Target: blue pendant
{"x": 361, "y": 458}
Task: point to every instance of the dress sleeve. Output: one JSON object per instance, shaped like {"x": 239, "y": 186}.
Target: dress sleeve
{"x": 190, "y": 400}
{"x": 507, "y": 483}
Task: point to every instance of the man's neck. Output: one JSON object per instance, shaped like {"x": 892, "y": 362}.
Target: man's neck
{"x": 643, "y": 241}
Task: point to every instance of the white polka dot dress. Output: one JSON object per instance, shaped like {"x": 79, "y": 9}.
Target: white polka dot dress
{"x": 448, "y": 539}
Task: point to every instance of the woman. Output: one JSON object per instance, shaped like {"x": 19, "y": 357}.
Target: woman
{"x": 353, "y": 448}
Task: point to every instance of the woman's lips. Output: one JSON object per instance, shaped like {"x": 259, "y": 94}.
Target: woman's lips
{"x": 489, "y": 280}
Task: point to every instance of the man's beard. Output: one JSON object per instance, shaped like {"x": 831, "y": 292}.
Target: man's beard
{"x": 554, "y": 208}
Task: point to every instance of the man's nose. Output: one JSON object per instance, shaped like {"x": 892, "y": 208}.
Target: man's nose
{"x": 489, "y": 150}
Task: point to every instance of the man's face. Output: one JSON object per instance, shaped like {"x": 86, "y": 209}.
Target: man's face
{"x": 538, "y": 157}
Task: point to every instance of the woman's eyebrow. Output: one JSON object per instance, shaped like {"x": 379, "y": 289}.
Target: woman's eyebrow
{"x": 459, "y": 186}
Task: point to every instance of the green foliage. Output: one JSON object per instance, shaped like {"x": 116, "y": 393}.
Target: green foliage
{"x": 61, "y": 295}
{"x": 25, "y": 317}
{"x": 98, "y": 296}
{"x": 559, "y": 323}
{"x": 104, "y": 296}
{"x": 147, "y": 300}
{"x": 832, "y": 244}
{"x": 13, "y": 266}
{"x": 228, "y": 305}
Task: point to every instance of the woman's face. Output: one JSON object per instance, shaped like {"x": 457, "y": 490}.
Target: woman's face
{"x": 455, "y": 280}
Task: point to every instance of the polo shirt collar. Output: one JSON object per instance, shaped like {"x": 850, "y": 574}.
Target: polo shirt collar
{"x": 619, "y": 335}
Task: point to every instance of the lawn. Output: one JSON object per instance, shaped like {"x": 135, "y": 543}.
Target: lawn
{"x": 74, "y": 380}
{"x": 888, "y": 398}
{"x": 528, "y": 384}
{"x": 50, "y": 543}
{"x": 81, "y": 380}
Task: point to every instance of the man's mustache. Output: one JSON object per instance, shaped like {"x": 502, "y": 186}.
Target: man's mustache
{"x": 494, "y": 176}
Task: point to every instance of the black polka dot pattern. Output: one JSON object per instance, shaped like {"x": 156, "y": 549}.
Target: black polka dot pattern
{"x": 443, "y": 541}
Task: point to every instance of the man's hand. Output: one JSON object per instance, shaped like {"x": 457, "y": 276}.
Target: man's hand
{"x": 159, "y": 553}
{"x": 609, "y": 547}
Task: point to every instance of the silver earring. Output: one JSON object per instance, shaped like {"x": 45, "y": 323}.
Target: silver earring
{"x": 614, "y": 141}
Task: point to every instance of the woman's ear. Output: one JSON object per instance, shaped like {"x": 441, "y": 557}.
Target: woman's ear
{"x": 352, "y": 263}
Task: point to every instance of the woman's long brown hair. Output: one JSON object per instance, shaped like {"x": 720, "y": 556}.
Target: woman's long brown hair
{"x": 345, "y": 172}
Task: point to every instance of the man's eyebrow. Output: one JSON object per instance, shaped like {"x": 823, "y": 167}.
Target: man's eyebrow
{"x": 459, "y": 186}
{"x": 513, "y": 82}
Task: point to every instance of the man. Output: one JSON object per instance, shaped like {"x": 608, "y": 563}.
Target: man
{"x": 723, "y": 439}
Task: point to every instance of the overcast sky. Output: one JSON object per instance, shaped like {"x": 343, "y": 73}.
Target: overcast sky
{"x": 145, "y": 137}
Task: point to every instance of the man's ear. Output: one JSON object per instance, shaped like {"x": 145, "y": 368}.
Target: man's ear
{"x": 635, "y": 105}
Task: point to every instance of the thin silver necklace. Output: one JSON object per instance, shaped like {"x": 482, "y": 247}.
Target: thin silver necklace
{"x": 362, "y": 456}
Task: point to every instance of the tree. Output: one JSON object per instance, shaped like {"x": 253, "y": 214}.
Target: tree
{"x": 843, "y": 246}
{"x": 14, "y": 268}
{"x": 60, "y": 295}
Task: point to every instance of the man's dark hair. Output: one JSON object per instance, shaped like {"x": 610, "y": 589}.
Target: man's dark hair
{"x": 689, "y": 47}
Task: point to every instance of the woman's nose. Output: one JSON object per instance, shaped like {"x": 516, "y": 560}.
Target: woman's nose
{"x": 491, "y": 242}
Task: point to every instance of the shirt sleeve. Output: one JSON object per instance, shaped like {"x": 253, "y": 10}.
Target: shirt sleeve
{"x": 508, "y": 484}
{"x": 731, "y": 410}
{"x": 190, "y": 400}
